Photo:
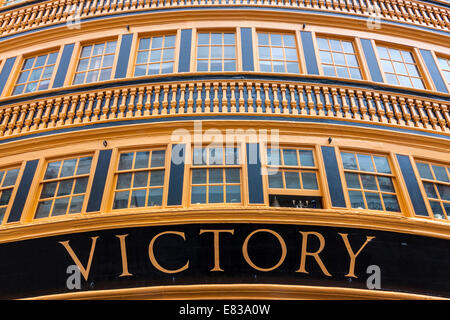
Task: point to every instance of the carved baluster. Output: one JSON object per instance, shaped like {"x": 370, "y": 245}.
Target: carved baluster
{"x": 284, "y": 102}
{"x": 250, "y": 106}
{"x": 372, "y": 111}
{"x": 88, "y": 111}
{"x": 224, "y": 97}
{"x": 379, "y": 108}
{"x": 337, "y": 106}
{"x": 439, "y": 116}
{"x": 148, "y": 104}
{"x": 328, "y": 105}
{"x": 414, "y": 115}
{"x": 241, "y": 97}
{"x": 198, "y": 101}
{"x": 115, "y": 105}
{"x": 6, "y": 114}
{"x": 276, "y": 101}
{"x": 319, "y": 102}
{"x": 46, "y": 115}
{"x": 431, "y": 117}
{"x": 21, "y": 121}
{"x": 182, "y": 102}
{"x": 397, "y": 111}
{"x": 130, "y": 112}
{"x": 267, "y": 98}
{"x": 310, "y": 102}
{"x": 233, "y": 97}
{"x": 258, "y": 98}
{"x": 140, "y": 104}
{"x": 54, "y": 115}
{"x": 302, "y": 103}
{"x": 190, "y": 101}
{"x": 173, "y": 102}
{"x": 294, "y": 109}
{"x": 216, "y": 97}
{"x": 30, "y": 117}
{"x": 80, "y": 111}
{"x": 12, "y": 123}
{"x": 38, "y": 117}
{"x": 353, "y": 105}
{"x": 423, "y": 116}
{"x": 165, "y": 101}
{"x": 389, "y": 112}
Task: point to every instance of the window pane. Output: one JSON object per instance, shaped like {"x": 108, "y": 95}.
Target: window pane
{"x": 368, "y": 182}
{"x": 233, "y": 194}
{"x": 292, "y": 180}
{"x": 121, "y": 200}
{"x": 157, "y": 178}
{"x": 5, "y": 196}
{"x": 373, "y": 201}
{"x": 352, "y": 180}
{"x": 80, "y": 185}
{"x": 356, "y": 199}
{"x": 141, "y": 160}
{"x": 275, "y": 179}
{"x": 365, "y": 163}
{"x": 123, "y": 181}
{"x": 65, "y": 187}
{"x": 126, "y": 161}
{"x": 390, "y": 202}
{"x": 199, "y": 176}
{"x": 43, "y": 209}
{"x": 198, "y": 194}
{"x": 158, "y": 158}
{"x": 306, "y": 158}
{"x": 140, "y": 179}
{"x": 138, "y": 198}
{"x": 10, "y": 178}
{"x": 232, "y": 175}
{"x": 386, "y": 184}
{"x": 68, "y": 168}
{"x": 444, "y": 191}
{"x": 309, "y": 181}
{"x": 60, "y": 206}
{"x": 52, "y": 170}
{"x": 155, "y": 197}
{"x": 349, "y": 161}
{"x": 215, "y": 194}
{"x": 290, "y": 157}
{"x": 382, "y": 164}
{"x": 440, "y": 173}
{"x": 48, "y": 190}
{"x": 424, "y": 170}
{"x": 215, "y": 175}
{"x": 429, "y": 189}
{"x": 84, "y": 165}
{"x": 76, "y": 204}
{"x": 437, "y": 209}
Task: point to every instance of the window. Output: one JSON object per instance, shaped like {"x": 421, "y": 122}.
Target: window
{"x": 436, "y": 182}
{"x": 140, "y": 179}
{"x": 8, "y": 179}
{"x": 155, "y": 55}
{"x": 96, "y": 62}
{"x": 277, "y": 52}
{"x": 400, "y": 67}
{"x": 370, "y": 182}
{"x": 36, "y": 73}
{"x": 338, "y": 58}
{"x": 293, "y": 172}
{"x": 9, "y": 2}
{"x": 64, "y": 186}
{"x": 445, "y": 67}
{"x": 216, "y": 175}
{"x": 216, "y": 51}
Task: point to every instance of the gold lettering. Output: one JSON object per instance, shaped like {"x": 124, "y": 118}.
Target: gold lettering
{"x": 351, "y": 270}
{"x": 216, "y": 246}
{"x": 152, "y": 254}
{"x": 84, "y": 271}
{"x": 123, "y": 252}
{"x": 250, "y": 262}
{"x": 313, "y": 254}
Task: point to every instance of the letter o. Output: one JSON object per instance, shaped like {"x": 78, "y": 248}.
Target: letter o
{"x": 250, "y": 262}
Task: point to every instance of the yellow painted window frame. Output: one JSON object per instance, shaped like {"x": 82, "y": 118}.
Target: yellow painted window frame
{"x": 41, "y": 182}
{"x": 18, "y": 66}
{"x": 396, "y": 182}
{"x": 242, "y": 174}
{"x": 438, "y": 56}
{"x": 76, "y": 57}
{"x": 432, "y": 181}
{"x": 14, "y": 188}
{"x": 299, "y": 168}
{"x": 358, "y": 53}
{"x": 300, "y": 57}
{"x": 237, "y": 46}
{"x": 421, "y": 68}
{"x": 135, "y": 50}
{"x": 115, "y": 173}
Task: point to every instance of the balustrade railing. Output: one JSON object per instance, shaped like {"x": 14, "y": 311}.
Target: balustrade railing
{"x": 291, "y": 99}
{"x": 65, "y": 11}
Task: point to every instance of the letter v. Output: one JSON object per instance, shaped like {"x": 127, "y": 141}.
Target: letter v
{"x": 84, "y": 271}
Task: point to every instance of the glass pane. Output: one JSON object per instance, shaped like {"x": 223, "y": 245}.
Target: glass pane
{"x": 275, "y": 39}
{"x": 232, "y": 175}
{"x": 352, "y": 180}
{"x": 215, "y": 156}
{"x": 440, "y": 173}
{"x": 373, "y": 201}
{"x": 126, "y": 161}
{"x": 5, "y": 196}
{"x": 325, "y": 57}
{"x": 52, "y": 170}
{"x": 356, "y": 199}
{"x": 424, "y": 170}
{"x": 84, "y": 165}
{"x": 48, "y": 190}
{"x": 292, "y": 67}
{"x": 60, "y": 206}
{"x": 429, "y": 189}
{"x": 43, "y": 209}
{"x": 292, "y": 180}
{"x": 369, "y": 182}
{"x": 121, "y": 200}
{"x": 306, "y": 158}
{"x": 80, "y": 185}
{"x": 157, "y": 178}
{"x": 323, "y": 43}
{"x": 382, "y": 164}
{"x": 309, "y": 181}
{"x": 2, "y": 214}
{"x": 232, "y": 156}
{"x": 68, "y": 168}
{"x": 437, "y": 209}
{"x": 76, "y": 204}
{"x": 199, "y": 176}
{"x": 391, "y": 203}
{"x": 349, "y": 161}
{"x": 140, "y": 179}
{"x": 155, "y": 197}
{"x": 10, "y": 178}
{"x": 444, "y": 191}
{"x": 105, "y": 74}
{"x": 141, "y": 160}
{"x": 233, "y": 194}
{"x": 215, "y": 194}
{"x": 273, "y": 157}
{"x": 65, "y": 187}
{"x": 290, "y": 157}
{"x": 144, "y": 44}
{"x": 138, "y": 198}
{"x": 158, "y": 158}
{"x": 264, "y": 52}
{"x": 123, "y": 181}
{"x": 365, "y": 163}
{"x": 215, "y": 175}
{"x": 203, "y": 38}
{"x": 386, "y": 184}
{"x": 216, "y": 65}
{"x": 263, "y": 39}
{"x": 198, "y": 194}
{"x": 275, "y": 179}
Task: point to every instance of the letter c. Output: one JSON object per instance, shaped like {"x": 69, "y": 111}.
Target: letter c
{"x": 152, "y": 254}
